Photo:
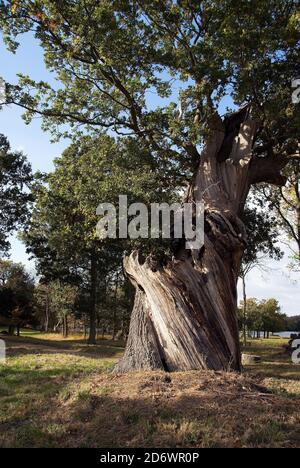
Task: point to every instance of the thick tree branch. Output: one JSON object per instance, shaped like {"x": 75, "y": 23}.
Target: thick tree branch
{"x": 268, "y": 169}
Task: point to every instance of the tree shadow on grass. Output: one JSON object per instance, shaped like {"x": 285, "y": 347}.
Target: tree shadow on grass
{"x": 165, "y": 415}
{"x": 55, "y": 408}
{"x": 30, "y": 398}
{"x": 199, "y": 421}
{"x": 18, "y": 346}
{"x": 275, "y": 370}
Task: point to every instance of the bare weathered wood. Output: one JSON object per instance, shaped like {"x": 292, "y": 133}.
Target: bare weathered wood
{"x": 185, "y": 313}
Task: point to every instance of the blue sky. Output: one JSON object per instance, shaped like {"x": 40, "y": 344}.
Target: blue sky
{"x": 278, "y": 282}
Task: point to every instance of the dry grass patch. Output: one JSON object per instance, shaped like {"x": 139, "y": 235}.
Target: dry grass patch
{"x": 58, "y": 397}
{"x": 195, "y": 409}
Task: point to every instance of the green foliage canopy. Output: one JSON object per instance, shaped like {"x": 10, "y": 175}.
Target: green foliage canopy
{"x": 263, "y": 315}
{"x": 110, "y": 57}
{"x": 16, "y": 294}
{"x": 15, "y": 182}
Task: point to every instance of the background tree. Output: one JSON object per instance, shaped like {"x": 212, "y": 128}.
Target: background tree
{"x": 273, "y": 319}
{"x": 293, "y": 323}
{"x": 15, "y": 181}
{"x": 47, "y": 309}
{"x": 263, "y": 234}
{"x": 253, "y": 321}
{"x": 62, "y": 232}
{"x": 63, "y": 299}
{"x": 108, "y": 57}
{"x": 16, "y": 296}
{"x": 285, "y": 203}
{"x": 43, "y": 304}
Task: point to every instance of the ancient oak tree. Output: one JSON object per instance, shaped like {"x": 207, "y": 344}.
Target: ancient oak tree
{"x": 162, "y": 72}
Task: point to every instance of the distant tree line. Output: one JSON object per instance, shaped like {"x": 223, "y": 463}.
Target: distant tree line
{"x": 262, "y": 318}
{"x": 293, "y": 323}
{"x": 60, "y": 307}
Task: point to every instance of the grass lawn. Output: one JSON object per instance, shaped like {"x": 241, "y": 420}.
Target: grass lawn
{"x": 24, "y": 331}
{"x": 276, "y": 370}
{"x": 61, "y": 393}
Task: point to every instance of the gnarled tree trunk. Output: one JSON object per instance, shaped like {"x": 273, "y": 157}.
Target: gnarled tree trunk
{"x": 184, "y": 316}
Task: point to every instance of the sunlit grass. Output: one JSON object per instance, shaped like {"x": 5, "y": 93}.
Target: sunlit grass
{"x": 276, "y": 368}
{"x": 29, "y": 386}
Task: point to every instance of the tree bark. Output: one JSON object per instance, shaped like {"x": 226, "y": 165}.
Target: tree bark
{"x": 93, "y": 299}
{"x": 47, "y": 313}
{"x": 65, "y": 326}
{"x": 115, "y": 330}
{"x": 244, "y": 310}
{"x": 143, "y": 351}
{"x": 184, "y": 316}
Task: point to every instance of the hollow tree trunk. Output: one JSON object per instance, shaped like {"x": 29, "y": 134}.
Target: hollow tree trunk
{"x": 184, "y": 316}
